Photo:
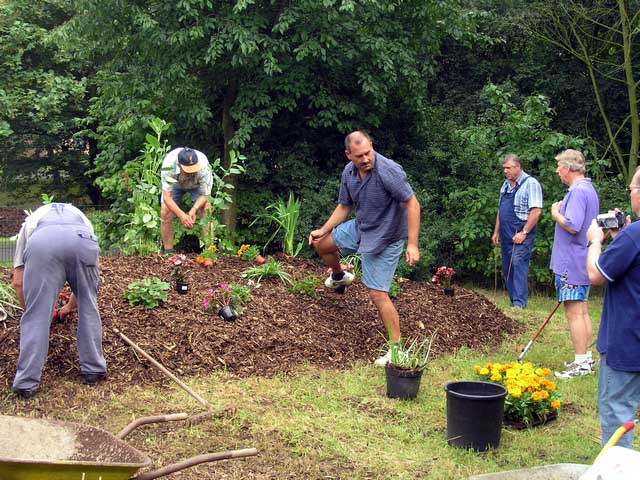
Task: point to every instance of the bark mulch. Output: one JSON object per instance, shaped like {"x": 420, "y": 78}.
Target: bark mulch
{"x": 278, "y": 331}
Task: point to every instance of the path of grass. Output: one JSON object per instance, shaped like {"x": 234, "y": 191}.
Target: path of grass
{"x": 328, "y": 424}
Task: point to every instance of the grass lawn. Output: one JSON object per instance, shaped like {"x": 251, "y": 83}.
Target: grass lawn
{"x": 339, "y": 424}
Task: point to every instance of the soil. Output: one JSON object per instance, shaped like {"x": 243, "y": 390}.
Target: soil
{"x": 276, "y": 333}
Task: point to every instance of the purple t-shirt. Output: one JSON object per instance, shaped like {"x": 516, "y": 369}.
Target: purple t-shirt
{"x": 381, "y": 217}
{"x": 569, "y": 255}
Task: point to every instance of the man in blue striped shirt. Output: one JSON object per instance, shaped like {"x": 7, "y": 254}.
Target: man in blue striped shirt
{"x": 387, "y": 214}
{"x": 519, "y": 210}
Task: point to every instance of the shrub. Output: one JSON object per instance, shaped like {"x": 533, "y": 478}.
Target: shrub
{"x": 307, "y": 286}
{"x": 149, "y": 293}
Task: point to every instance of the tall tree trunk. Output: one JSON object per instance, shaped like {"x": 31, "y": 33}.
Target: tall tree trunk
{"x": 229, "y": 128}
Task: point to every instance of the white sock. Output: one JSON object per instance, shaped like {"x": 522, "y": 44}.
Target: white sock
{"x": 590, "y": 355}
{"x": 582, "y": 358}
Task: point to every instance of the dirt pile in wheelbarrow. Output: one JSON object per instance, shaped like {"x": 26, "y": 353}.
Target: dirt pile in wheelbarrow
{"x": 278, "y": 331}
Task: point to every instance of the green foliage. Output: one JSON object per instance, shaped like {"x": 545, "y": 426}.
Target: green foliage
{"x": 307, "y": 286}
{"x": 394, "y": 289}
{"x": 143, "y": 175}
{"x": 285, "y": 216}
{"x": 8, "y": 301}
{"x": 240, "y": 296}
{"x": 150, "y": 292}
{"x": 271, "y": 268}
{"x": 412, "y": 355}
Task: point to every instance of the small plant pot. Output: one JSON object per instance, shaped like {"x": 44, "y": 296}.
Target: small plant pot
{"x": 227, "y": 313}
{"x": 450, "y": 292}
{"x": 260, "y": 259}
{"x": 402, "y": 383}
{"x": 208, "y": 263}
{"x": 182, "y": 288}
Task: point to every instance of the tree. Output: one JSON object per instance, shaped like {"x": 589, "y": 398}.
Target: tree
{"x": 222, "y": 70}
{"x": 39, "y": 99}
{"x": 602, "y": 34}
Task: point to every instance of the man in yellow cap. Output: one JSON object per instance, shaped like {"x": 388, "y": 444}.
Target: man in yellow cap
{"x": 184, "y": 170}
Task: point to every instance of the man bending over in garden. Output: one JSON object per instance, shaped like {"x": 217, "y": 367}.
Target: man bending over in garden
{"x": 387, "y": 214}
{"x": 618, "y": 268}
{"x": 56, "y": 244}
{"x": 184, "y": 170}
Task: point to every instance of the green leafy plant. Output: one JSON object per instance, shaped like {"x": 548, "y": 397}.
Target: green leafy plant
{"x": 8, "y": 302}
{"x": 411, "y": 356}
{"x": 307, "y": 286}
{"x": 248, "y": 252}
{"x": 285, "y": 216}
{"x": 46, "y": 198}
{"x": 150, "y": 292}
{"x": 272, "y": 268}
{"x": 394, "y": 289}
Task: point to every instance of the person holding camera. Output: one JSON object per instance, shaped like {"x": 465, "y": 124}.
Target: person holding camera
{"x": 618, "y": 268}
{"x": 572, "y": 217}
{"x": 387, "y": 213}
{"x": 184, "y": 170}
{"x": 519, "y": 210}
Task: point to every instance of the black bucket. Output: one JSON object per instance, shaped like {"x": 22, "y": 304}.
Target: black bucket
{"x": 474, "y": 414}
{"x": 401, "y": 383}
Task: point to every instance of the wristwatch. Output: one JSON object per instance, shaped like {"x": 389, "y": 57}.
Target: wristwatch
{"x": 524, "y": 231}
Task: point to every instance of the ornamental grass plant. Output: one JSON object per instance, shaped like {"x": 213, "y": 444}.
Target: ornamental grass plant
{"x": 531, "y": 395}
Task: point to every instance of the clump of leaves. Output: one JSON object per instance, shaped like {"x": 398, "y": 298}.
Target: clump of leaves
{"x": 272, "y": 268}
{"x": 413, "y": 355}
{"x": 8, "y": 302}
{"x": 394, "y": 289}
{"x": 149, "y": 293}
{"x": 307, "y": 286}
{"x": 240, "y": 295}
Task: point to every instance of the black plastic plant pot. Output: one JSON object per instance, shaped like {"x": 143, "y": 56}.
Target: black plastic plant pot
{"x": 402, "y": 383}
{"x": 182, "y": 288}
{"x": 450, "y": 292}
{"x": 227, "y": 313}
{"x": 474, "y": 414}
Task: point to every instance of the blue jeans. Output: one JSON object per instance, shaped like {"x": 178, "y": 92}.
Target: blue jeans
{"x": 516, "y": 270}
{"x": 377, "y": 270}
{"x": 618, "y": 398}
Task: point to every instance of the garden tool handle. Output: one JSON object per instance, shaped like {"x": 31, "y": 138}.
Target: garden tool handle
{"x": 544, "y": 324}
{"x": 190, "y": 462}
{"x": 620, "y": 431}
{"x": 145, "y": 420}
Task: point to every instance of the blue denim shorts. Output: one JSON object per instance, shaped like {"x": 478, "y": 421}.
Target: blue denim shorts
{"x": 377, "y": 270}
{"x": 568, "y": 292}
{"x": 177, "y": 193}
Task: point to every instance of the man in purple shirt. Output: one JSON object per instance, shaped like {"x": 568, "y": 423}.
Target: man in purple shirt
{"x": 387, "y": 214}
{"x": 573, "y": 216}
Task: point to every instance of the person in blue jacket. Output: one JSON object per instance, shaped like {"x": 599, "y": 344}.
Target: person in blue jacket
{"x": 618, "y": 268}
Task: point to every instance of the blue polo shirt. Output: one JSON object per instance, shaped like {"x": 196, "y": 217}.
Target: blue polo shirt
{"x": 619, "y": 333}
{"x": 381, "y": 218}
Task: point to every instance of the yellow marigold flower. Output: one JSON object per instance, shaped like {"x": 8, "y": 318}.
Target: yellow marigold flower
{"x": 511, "y": 374}
{"x": 476, "y": 368}
{"x": 546, "y": 372}
{"x": 212, "y": 248}
{"x": 515, "y": 392}
{"x": 496, "y": 377}
{"x": 551, "y": 386}
{"x": 484, "y": 371}
{"x": 555, "y": 404}
{"x": 539, "y": 372}
{"x": 200, "y": 259}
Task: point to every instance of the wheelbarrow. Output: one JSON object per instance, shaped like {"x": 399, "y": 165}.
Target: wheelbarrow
{"x": 41, "y": 449}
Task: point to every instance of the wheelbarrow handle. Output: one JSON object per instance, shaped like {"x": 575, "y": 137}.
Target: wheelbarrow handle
{"x": 145, "y": 420}
{"x": 190, "y": 462}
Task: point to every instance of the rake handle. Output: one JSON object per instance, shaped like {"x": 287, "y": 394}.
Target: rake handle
{"x": 537, "y": 334}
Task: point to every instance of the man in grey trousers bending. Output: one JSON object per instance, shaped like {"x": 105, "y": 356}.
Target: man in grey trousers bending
{"x": 56, "y": 244}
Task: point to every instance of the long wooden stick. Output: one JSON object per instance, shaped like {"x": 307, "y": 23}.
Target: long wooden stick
{"x": 160, "y": 367}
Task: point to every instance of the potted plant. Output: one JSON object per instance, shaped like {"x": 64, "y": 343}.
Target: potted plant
{"x": 218, "y": 301}
{"x": 532, "y": 398}
{"x": 208, "y": 257}
{"x": 405, "y": 367}
{"x": 179, "y": 272}
{"x": 444, "y": 276}
{"x": 250, "y": 253}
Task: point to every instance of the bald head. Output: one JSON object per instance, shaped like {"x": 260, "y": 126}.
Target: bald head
{"x": 356, "y": 138}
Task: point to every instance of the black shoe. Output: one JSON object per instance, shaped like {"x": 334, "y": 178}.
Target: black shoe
{"x": 25, "y": 393}
{"x": 93, "y": 378}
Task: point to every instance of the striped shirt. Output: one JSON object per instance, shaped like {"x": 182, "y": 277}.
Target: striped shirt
{"x": 527, "y": 197}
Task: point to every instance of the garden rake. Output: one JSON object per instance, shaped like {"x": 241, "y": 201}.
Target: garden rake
{"x": 544, "y": 324}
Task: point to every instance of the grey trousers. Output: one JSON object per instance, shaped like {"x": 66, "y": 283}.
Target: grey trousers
{"x": 61, "y": 249}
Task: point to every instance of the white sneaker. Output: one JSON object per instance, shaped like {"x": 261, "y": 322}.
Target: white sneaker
{"x": 343, "y": 282}
{"x": 383, "y": 360}
{"x": 575, "y": 370}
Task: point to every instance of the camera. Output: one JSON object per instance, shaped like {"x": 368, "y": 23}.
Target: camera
{"x": 611, "y": 220}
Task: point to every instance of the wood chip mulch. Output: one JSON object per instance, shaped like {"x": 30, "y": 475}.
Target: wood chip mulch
{"x": 278, "y": 331}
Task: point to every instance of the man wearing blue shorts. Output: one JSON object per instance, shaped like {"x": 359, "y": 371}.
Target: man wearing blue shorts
{"x": 573, "y": 216}
{"x": 618, "y": 268}
{"x": 387, "y": 214}
{"x": 184, "y": 170}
